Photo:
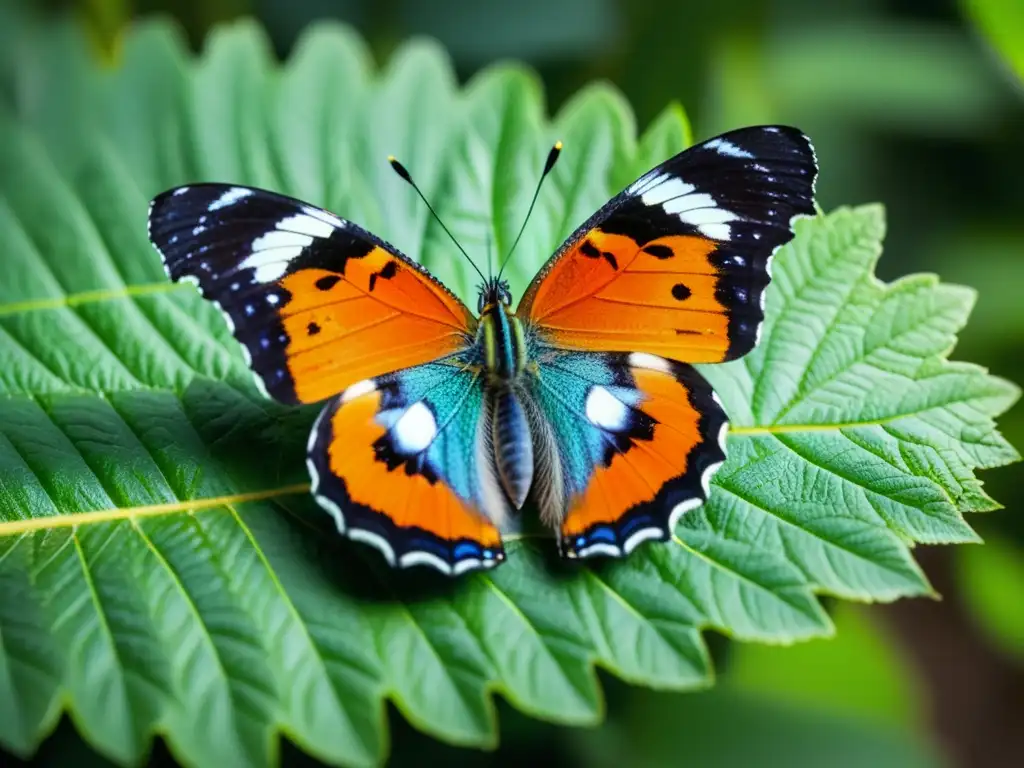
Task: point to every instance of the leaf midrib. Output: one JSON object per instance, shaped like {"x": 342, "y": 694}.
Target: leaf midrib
{"x": 48, "y": 522}
{"x": 113, "y": 514}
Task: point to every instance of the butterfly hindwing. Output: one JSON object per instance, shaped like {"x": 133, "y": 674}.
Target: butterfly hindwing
{"x": 677, "y": 264}
{"x": 403, "y": 462}
{"x": 637, "y": 439}
{"x": 317, "y": 302}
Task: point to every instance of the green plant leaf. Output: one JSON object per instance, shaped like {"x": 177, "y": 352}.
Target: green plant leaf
{"x": 882, "y": 74}
{"x": 1002, "y": 24}
{"x": 863, "y": 673}
{"x": 735, "y": 728}
{"x": 990, "y": 579}
{"x": 162, "y": 566}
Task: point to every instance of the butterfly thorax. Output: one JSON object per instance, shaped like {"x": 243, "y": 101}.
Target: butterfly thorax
{"x": 502, "y": 346}
{"x": 500, "y": 334}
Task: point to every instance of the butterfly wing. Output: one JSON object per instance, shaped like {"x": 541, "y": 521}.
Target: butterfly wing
{"x": 632, "y": 441}
{"x": 670, "y": 271}
{"x": 677, "y": 264}
{"x": 317, "y": 302}
{"x": 403, "y": 462}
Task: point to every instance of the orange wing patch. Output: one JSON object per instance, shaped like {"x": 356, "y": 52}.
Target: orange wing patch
{"x": 379, "y": 315}
{"x": 609, "y": 293}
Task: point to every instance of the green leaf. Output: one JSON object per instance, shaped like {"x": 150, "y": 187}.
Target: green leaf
{"x": 163, "y": 567}
{"x": 732, "y": 728}
{"x": 862, "y": 673}
{"x": 869, "y": 72}
{"x": 1002, "y": 23}
{"x": 990, "y": 579}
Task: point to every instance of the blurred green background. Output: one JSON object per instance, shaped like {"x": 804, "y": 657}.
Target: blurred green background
{"x": 915, "y": 103}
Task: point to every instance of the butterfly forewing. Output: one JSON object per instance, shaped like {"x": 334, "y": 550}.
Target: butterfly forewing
{"x": 317, "y": 302}
{"x": 677, "y": 264}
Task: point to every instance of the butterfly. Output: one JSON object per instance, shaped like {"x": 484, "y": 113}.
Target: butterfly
{"x": 440, "y": 423}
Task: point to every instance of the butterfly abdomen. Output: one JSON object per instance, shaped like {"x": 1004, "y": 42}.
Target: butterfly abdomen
{"x": 513, "y": 448}
{"x": 505, "y": 355}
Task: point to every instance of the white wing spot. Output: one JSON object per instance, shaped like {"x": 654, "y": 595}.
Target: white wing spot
{"x": 690, "y": 202}
{"x": 716, "y": 230}
{"x": 681, "y": 509}
{"x": 269, "y": 265}
{"x": 230, "y": 197}
{"x": 605, "y": 410}
{"x": 665, "y": 191}
{"x": 276, "y": 239}
{"x": 727, "y": 148}
{"x": 705, "y": 478}
{"x": 378, "y": 542}
{"x": 324, "y": 216}
{"x": 645, "y": 182}
{"x": 360, "y": 388}
{"x": 652, "y": 362}
{"x": 701, "y": 210}
{"x": 415, "y": 430}
{"x": 418, "y": 557}
{"x": 644, "y": 534}
{"x": 180, "y": 191}
{"x": 305, "y": 224}
{"x": 600, "y": 548}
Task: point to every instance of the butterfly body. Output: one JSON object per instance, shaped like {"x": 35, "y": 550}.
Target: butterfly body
{"x": 441, "y": 424}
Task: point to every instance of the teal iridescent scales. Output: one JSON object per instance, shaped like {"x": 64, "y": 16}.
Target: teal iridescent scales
{"x": 578, "y": 405}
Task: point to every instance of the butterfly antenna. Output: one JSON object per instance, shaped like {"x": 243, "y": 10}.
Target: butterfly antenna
{"x": 548, "y": 165}
{"x": 402, "y": 172}
{"x": 490, "y": 261}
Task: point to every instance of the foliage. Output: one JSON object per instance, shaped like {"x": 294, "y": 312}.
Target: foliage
{"x": 1002, "y": 22}
{"x": 164, "y": 570}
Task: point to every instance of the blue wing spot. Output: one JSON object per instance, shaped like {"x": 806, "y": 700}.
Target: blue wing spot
{"x": 603, "y": 534}
{"x": 466, "y": 549}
